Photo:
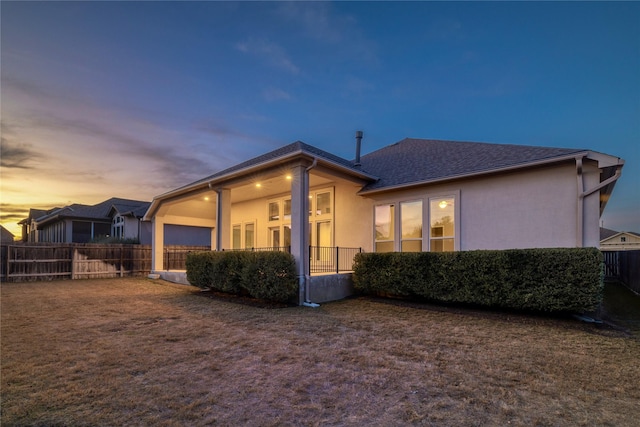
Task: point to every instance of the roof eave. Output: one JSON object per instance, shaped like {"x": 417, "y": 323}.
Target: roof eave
{"x": 213, "y": 181}
{"x": 542, "y": 162}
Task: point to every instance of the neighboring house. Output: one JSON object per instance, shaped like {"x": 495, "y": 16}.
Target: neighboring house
{"x": 414, "y": 195}
{"x": 79, "y": 223}
{"x": 29, "y": 227}
{"x": 6, "y": 236}
{"x": 126, "y": 220}
{"x": 611, "y": 240}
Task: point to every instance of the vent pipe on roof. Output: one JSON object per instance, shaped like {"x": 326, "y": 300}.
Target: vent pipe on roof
{"x": 358, "y": 144}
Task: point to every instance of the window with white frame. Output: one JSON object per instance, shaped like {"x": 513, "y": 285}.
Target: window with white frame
{"x": 243, "y": 235}
{"x": 442, "y": 224}
{"x": 249, "y": 235}
{"x": 321, "y": 217}
{"x": 236, "y": 239}
{"x": 399, "y": 225}
{"x": 279, "y": 218}
{"x": 117, "y": 227}
{"x": 385, "y": 228}
{"x": 411, "y": 226}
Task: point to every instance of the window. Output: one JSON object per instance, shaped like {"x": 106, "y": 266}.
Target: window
{"x": 274, "y": 211}
{"x": 287, "y": 210}
{"x": 237, "y": 236}
{"x": 442, "y": 224}
{"x": 323, "y": 203}
{"x": 280, "y": 225}
{"x": 243, "y": 235}
{"x": 411, "y": 226}
{"x": 274, "y": 237}
{"x": 384, "y": 224}
{"x": 400, "y": 225}
{"x": 623, "y": 239}
{"x": 287, "y": 235}
{"x": 249, "y": 235}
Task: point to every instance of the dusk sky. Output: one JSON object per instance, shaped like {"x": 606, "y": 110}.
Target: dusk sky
{"x": 133, "y": 99}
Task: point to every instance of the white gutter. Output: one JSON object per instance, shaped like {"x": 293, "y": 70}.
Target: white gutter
{"x": 582, "y": 194}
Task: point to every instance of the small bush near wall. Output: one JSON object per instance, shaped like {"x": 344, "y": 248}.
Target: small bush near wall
{"x": 265, "y": 275}
{"x": 270, "y": 276}
{"x": 552, "y": 280}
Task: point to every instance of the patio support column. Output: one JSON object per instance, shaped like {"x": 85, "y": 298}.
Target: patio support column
{"x": 300, "y": 225}
{"x": 157, "y": 244}
{"x": 223, "y": 219}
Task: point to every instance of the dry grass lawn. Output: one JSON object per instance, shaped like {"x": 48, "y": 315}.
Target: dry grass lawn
{"x": 142, "y": 352}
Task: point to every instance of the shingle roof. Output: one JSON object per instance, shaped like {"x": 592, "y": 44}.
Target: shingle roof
{"x": 98, "y": 211}
{"x": 130, "y": 207}
{"x": 605, "y": 233}
{"x": 294, "y": 147}
{"x": 422, "y": 160}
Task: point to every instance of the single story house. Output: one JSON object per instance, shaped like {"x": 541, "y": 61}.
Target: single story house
{"x": 414, "y": 195}
{"x": 78, "y": 223}
{"x": 611, "y": 240}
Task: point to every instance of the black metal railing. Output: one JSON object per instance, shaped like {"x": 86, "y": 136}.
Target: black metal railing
{"x": 322, "y": 259}
{"x": 175, "y": 257}
{"x": 331, "y": 259}
{"x": 265, "y": 249}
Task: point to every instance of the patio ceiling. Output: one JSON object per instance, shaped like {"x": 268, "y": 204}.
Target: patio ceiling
{"x": 203, "y": 204}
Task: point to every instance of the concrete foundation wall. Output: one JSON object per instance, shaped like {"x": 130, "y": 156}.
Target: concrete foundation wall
{"x": 330, "y": 287}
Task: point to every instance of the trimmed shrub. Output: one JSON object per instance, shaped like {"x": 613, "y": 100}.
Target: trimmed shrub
{"x": 220, "y": 271}
{"x": 199, "y": 267}
{"x": 552, "y": 280}
{"x": 270, "y": 276}
{"x": 265, "y": 275}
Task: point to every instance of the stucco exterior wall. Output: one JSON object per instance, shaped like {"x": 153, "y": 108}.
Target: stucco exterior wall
{"x": 252, "y": 211}
{"x": 527, "y": 209}
{"x": 537, "y": 208}
{"x": 353, "y": 219}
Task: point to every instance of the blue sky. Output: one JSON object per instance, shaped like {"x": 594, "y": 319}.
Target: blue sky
{"x": 132, "y": 99}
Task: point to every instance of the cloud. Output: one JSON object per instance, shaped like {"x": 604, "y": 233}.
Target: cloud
{"x": 272, "y": 94}
{"x": 104, "y": 138}
{"x": 322, "y": 22}
{"x": 317, "y": 20}
{"x": 18, "y": 155}
{"x": 273, "y": 54}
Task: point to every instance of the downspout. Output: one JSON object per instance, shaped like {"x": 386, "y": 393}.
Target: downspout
{"x": 218, "y": 217}
{"x": 580, "y": 222}
{"x": 307, "y": 277}
{"x": 582, "y": 194}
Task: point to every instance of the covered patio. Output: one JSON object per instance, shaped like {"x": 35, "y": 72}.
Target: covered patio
{"x": 297, "y": 198}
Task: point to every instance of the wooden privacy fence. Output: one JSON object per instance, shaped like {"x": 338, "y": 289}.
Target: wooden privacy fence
{"x": 82, "y": 260}
{"x": 623, "y": 266}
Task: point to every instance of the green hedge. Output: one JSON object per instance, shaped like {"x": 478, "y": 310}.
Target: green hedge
{"x": 265, "y": 275}
{"x": 552, "y": 280}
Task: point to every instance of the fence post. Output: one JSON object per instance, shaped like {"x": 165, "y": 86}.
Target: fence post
{"x": 73, "y": 263}
{"x": 121, "y": 255}
{"x": 337, "y": 259}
